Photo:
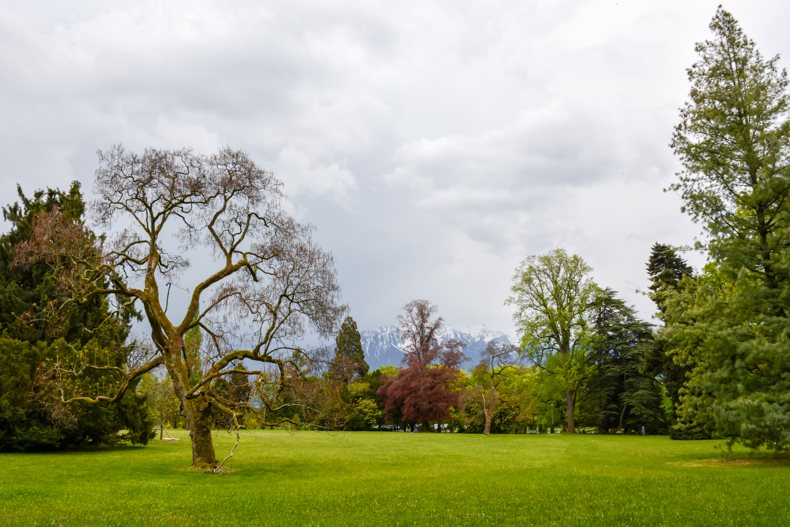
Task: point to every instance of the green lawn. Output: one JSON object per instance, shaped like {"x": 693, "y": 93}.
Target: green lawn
{"x": 358, "y": 478}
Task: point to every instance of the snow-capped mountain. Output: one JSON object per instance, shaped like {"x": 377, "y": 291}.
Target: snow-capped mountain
{"x": 383, "y": 346}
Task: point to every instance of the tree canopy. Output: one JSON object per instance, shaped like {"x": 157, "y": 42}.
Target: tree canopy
{"x": 624, "y": 391}
{"x": 553, "y": 296}
{"x": 266, "y": 276}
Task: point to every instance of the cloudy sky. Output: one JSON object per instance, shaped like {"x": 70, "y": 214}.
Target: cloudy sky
{"x": 433, "y": 144}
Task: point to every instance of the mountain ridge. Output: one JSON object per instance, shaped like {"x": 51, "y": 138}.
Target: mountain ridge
{"x": 383, "y": 345}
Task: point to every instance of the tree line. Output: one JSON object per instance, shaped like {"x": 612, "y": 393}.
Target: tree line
{"x": 716, "y": 365}
{"x": 507, "y": 392}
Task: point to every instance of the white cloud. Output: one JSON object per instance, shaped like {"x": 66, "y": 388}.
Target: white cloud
{"x": 303, "y": 175}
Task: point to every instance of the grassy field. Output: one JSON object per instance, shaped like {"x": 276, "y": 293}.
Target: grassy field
{"x": 318, "y": 478}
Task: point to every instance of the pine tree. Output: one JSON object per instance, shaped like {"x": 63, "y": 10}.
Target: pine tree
{"x": 667, "y": 270}
{"x": 731, "y": 324}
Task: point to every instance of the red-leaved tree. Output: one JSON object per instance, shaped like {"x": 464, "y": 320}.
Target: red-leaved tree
{"x": 427, "y": 387}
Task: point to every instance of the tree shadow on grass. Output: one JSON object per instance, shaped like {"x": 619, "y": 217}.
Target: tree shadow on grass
{"x": 71, "y": 450}
{"x": 738, "y": 459}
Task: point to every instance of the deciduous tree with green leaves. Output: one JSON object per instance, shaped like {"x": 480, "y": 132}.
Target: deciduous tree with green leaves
{"x": 553, "y": 295}
{"x": 497, "y": 357}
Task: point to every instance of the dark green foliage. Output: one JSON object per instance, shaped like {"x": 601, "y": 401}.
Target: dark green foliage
{"x": 667, "y": 270}
{"x": 32, "y": 415}
{"x": 48, "y": 338}
{"x": 624, "y": 392}
{"x": 349, "y": 362}
{"x": 730, "y": 325}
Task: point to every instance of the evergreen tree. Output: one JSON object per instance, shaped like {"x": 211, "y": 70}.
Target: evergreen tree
{"x": 624, "y": 392}
{"x": 45, "y": 334}
{"x": 349, "y": 361}
{"x": 667, "y": 270}
{"x": 731, "y": 326}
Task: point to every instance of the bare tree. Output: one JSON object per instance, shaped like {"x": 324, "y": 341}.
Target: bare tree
{"x": 496, "y": 358}
{"x": 419, "y": 333}
{"x": 266, "y": 278}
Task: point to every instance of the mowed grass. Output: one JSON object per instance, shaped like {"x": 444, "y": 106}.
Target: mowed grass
{"x": 358, "y": 478}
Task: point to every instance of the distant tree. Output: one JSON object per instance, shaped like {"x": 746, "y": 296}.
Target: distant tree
{"x": 553, "y": 296}
{"x": 163, "y": 405}
{"x": 419, "y": 332}
{"x": 296, "y": 395}
{"x": 496, "y": 359}
{"x": 265, "y": 280}
{"x": 426, "y": 389}
{"x": 365, "y": 413}
{"x": 733, "y": 141}
{"x": 349, "y": 362}
{"x": 517, "y": 408}
{"x": 233, "y": 392}
{"x": 665, "y": 269}
{"x": 44, "y": 331}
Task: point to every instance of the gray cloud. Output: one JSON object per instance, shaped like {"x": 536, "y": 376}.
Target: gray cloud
{"x": 434, "y": 144}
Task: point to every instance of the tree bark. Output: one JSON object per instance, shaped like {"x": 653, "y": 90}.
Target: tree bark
{"x": 203, "y": 456}
{"x": 197, "y": 409}
{"x": 622, "y": 417}
{"x": 569, "y": 404}
{"x": 488, "y": 410}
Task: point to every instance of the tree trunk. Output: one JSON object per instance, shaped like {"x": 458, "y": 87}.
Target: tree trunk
{"x": 203, "y": 456}
{"x": 622, "y": 417}
{"x": 488, "y": 410}
{"x": 196, "y": 409}
{"x": 569, "y": 404}
{"x": 487, "y": 414}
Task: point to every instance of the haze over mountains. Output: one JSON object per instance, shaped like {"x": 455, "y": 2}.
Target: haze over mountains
{"x": 383, "y": 345}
